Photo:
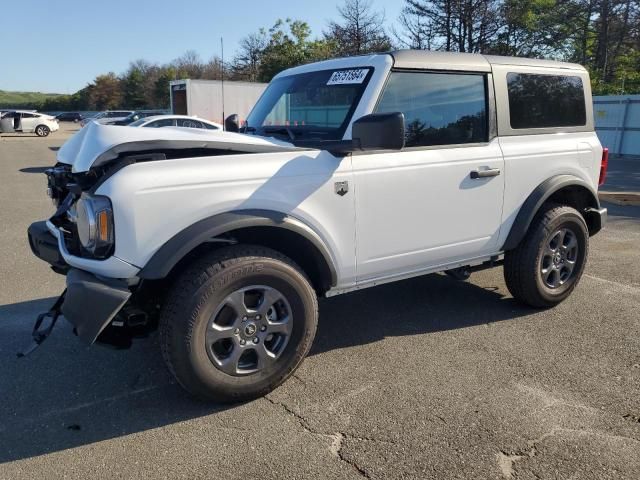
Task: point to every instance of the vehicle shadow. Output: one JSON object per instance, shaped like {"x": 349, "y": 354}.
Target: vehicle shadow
{"x": 66, "y": 395}
{"x": 420, "y": 305}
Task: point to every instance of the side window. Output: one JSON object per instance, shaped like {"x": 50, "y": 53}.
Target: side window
{"x": 543, "y": 101}
{"x": 165, "y": 122}
{"x": 439, "y": 108}
{"x": 29, "y": 115}
{"x": 187, "y": 122}
{"x": 208, "y": 126}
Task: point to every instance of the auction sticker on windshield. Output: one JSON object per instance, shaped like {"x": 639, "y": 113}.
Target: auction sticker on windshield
{"x": 344, "y": 77}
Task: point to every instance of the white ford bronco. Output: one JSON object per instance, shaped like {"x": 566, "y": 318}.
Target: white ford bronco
{"x": 348, "y": 173}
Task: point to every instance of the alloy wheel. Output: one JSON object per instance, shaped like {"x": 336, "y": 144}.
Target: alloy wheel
{"x": 559, "y": 258}
{"x": 249, "y": 331}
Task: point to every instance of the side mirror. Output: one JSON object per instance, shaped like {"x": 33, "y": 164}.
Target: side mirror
{"x": 232, "y": 123}
{"x": 379, "y": 131}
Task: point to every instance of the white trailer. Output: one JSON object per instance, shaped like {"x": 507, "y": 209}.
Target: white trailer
{"x": 203, "y": 98}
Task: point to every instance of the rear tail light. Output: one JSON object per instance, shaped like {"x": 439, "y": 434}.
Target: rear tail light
{"x": 603, "y": 166}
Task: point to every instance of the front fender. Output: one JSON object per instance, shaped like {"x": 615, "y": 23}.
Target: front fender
{"x": 176, "y": 248}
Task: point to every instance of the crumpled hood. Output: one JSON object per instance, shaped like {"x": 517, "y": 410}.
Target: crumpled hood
{"x": 96, "y": 144}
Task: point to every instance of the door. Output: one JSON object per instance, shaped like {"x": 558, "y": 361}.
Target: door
{"x": 28, "y": 122}
{"x": 439, "y": 200}
{"x": 7, "y": 122}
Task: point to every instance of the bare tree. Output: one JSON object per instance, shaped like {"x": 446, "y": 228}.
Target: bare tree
{"x": 189, "y": 65}
{"x": 361, "y": 29}
{"x": 452, "y": 25}
{"x": 246, "y": 64}
{"x": 414, "y": 31}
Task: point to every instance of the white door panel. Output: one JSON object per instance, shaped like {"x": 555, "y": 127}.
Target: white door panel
{"x": 28, "y": 123}
{"x": 420, "y": 208}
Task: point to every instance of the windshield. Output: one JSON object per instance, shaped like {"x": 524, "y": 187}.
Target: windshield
{"x": 309, "y": 106}
{"x": 137, "y": 123}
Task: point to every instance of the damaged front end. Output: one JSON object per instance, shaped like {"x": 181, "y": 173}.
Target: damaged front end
{"x": 105, "y": 300}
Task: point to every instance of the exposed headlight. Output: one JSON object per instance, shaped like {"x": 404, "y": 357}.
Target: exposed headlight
{"x": 94, "y": 221}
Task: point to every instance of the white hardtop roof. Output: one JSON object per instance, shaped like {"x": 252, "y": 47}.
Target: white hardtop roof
{"x": 430, "y": 60}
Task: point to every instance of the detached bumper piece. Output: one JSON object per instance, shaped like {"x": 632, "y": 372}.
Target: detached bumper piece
{"x": 91, "y": 302}
{"x": 45, "y": 246}
{"x": 40, "y": 335}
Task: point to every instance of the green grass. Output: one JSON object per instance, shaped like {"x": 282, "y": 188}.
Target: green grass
{"x": 23, "y": 98}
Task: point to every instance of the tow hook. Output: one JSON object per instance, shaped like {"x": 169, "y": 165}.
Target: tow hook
{"x": 40, "y": 335}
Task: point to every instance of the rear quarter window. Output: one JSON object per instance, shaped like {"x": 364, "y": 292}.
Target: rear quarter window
{"x": 545, "y": 101}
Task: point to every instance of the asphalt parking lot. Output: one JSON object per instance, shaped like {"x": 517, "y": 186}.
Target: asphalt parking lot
{"x": 426, "y": 378}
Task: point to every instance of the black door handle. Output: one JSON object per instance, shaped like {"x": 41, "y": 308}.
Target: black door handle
{"x": 492, "y": 172}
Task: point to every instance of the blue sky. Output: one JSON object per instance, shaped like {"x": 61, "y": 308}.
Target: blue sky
{"x": 60, "y": 46}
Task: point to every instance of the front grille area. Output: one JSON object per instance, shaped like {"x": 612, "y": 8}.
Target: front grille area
{"x": 58, "y": 179}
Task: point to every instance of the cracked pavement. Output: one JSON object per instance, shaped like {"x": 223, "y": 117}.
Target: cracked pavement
{"x": 426, "y": 378}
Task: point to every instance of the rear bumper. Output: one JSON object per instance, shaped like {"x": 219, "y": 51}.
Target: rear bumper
{"x": 597, "y": 218}
{"x": 91, "y": 302}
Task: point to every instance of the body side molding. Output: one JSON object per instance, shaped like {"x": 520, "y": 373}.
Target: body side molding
{"x": 535, "y": 200}
{"x": 204, "y": 230}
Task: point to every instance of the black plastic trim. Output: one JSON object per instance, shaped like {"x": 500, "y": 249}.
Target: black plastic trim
{"x": 45, "y": 246}
{"x": 174, "y": 250}
{"x": 91, "y": 302}
{"x": 537, "y": 198}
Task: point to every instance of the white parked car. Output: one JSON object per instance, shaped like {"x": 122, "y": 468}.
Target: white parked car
{"x": 159, "y": 121}
{"x": 350, "y": 173}
{"x": 108, "y": 116}
{"x": 23, "y": 121}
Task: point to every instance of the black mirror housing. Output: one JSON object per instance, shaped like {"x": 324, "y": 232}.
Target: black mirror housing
{"x": 379, "y": 131}
{"x": 232, "y": 123}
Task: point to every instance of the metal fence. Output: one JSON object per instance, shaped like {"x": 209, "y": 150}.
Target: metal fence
{"x": 618, "y": 123}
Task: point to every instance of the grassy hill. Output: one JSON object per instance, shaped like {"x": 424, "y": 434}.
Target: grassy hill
{"x": 9, "y": 99}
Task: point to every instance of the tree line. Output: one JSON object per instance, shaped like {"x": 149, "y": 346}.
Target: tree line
{"x": 602, "y": 35}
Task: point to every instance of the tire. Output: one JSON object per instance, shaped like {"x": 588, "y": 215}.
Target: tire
{"x": 545, "y": 268}
{"x": 220, "y": 290}
{"x": 42, "y": 131}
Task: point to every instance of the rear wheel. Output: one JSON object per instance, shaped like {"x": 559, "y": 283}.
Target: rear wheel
{"x": 237, "y": 323}
{"x": 547, "y": 265}
{"x": 42, "y": 130}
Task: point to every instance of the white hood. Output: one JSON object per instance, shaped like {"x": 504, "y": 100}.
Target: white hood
{"x": 96, "y": 144}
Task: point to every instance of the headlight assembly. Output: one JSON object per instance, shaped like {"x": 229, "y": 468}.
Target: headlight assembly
{"x": 94, "y": 221}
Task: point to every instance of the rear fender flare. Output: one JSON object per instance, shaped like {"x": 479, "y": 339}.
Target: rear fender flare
{"x": 537, "y": 198}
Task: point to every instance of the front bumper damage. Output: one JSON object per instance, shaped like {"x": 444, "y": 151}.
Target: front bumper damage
{"x": 89, "y": 302}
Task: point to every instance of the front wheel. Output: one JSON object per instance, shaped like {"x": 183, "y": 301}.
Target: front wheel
{"x": 42, "y": 130}
{"x": 547, "y": 265}
{"x": 237, "y": 323}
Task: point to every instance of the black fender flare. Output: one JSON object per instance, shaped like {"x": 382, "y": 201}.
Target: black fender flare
{"x": 177, "y": 247}
{"x": 537, "y": 198}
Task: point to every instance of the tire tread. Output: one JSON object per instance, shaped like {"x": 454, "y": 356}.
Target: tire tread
{"x": 196, "y": 276}
{"x": 520, "y": 263}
